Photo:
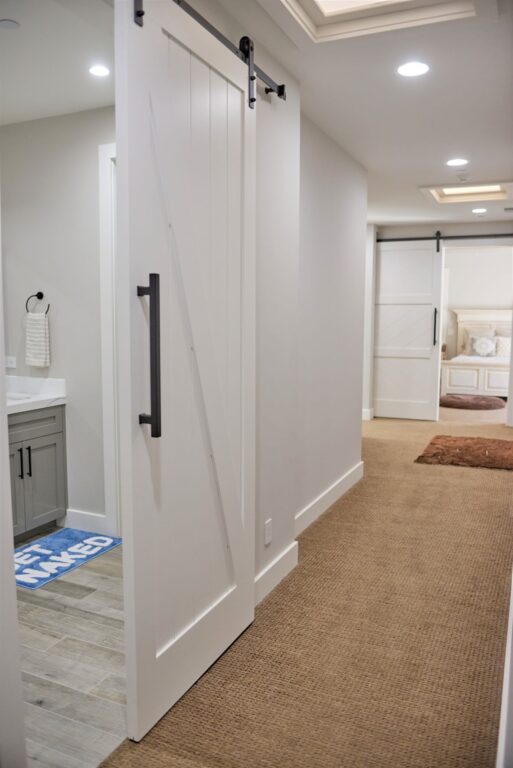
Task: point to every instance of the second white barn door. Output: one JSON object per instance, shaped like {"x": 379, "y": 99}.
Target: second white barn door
{"x": 186, "y": 177}
{"x": 407, "y": 330}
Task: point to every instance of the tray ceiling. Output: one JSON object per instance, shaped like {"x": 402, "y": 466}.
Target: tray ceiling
{"x": 325, "y": 20}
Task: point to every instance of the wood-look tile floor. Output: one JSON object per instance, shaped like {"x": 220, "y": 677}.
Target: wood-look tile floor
{"x": 72, "y": 660}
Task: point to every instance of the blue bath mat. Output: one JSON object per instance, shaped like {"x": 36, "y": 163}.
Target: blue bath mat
{"x": 46, "y": 559}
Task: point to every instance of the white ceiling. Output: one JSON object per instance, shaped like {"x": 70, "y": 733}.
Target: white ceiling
{"x": 402, "y": 130}
{"x": 44, "y": 64}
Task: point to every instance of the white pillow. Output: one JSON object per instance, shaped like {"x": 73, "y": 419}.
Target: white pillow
{"x": 474, "y": 333}
{"x": 503, "y": 346}
{"x": 483, "y": 346}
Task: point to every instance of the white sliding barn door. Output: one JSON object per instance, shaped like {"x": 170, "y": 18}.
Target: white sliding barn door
{"x": 407, "y": 330}
{"x": 186, "y": 175}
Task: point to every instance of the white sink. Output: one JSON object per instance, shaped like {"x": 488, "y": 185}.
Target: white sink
{"x": 26, "y": 393}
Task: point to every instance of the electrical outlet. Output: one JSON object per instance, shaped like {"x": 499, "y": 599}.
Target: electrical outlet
{"x": 10, "y": 362}
{"x": 268, "y": 531}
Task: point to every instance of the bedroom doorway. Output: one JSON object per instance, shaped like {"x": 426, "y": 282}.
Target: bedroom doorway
{"x": 428, "y": 310}
{"x": 476, "y": 333}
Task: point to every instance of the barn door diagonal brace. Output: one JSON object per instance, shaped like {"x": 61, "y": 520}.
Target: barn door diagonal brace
{"x": 245, "y": 51}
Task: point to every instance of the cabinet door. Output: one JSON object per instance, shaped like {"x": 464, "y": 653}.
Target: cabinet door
{"x": 45, "y": 483}
{"x": 16, "y": 459}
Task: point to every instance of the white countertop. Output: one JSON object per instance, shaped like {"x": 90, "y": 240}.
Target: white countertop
{"x": 28, "y": 393}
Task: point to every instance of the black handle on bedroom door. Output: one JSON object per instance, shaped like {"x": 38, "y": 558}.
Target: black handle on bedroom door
{"x": 435, "y": 316}
{"x": 154, "y": 418}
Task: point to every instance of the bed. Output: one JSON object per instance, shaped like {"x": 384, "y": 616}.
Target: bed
{"x": 467, "y": 374}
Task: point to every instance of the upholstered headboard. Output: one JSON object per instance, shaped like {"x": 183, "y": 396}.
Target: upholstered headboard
{"x": 497, "y": 320}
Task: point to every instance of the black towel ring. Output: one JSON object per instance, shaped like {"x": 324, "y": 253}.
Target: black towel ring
{"x": 39, "y": 296}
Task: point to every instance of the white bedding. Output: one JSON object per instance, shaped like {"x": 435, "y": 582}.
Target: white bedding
{"x": 477, "y": 359}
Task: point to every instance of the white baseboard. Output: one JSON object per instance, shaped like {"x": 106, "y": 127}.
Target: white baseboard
{"x": 420, "y": 410}
{"x": 270, "y": 576}
{"x": 367, "y": 414}
{"x": 312, "y": 511}
{"x": 90, "y": 521}
{"x": 505, "y": 746}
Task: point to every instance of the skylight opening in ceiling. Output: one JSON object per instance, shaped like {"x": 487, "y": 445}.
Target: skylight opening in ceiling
{"x": 332, "y": 7}
{"x": 328, "y": 20}
{"x": 470, "y": 193}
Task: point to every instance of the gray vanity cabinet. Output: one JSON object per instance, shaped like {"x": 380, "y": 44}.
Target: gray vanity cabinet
{"x": 38, "y": 467}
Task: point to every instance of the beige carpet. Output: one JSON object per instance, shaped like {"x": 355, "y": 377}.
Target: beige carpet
{"x": 384, "y": 648}
{"x": 473, "y": 417}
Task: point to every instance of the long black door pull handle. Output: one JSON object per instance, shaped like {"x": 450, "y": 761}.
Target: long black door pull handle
{"x": 435, "y": 316}
{"x": 29, "y": 451}
{"x": 153, "y": 418}
{"x": 22, "y": 473}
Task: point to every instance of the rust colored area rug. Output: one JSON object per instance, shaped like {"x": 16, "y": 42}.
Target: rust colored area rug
{"x": 468, "y": 452}
{"x": 472, "y": 402}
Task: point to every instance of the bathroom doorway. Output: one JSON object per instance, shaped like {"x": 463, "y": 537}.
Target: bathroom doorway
{"x": 57, "y": 181}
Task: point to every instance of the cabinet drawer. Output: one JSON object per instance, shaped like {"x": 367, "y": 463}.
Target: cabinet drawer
{"x": 32, "y": 424}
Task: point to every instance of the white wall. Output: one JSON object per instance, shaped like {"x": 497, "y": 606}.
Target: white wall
{"x": 480, "y": 228}
{"x": 50, "y": 210}
{"x": 480, "y": 277}
{"x": 278, "y": 148}
{"x": 331, "y": 307}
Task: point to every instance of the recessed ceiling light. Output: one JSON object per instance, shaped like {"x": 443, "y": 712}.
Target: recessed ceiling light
{"x": 479, "y": 210}
{"x": 457, "y": 162}
{"x": 413, "y": 69}
{"x": 99, "y": 70}
{"x": 9, "y": 24}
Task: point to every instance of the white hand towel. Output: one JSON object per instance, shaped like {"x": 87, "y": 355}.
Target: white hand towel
{"x": 37, "y": 346}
